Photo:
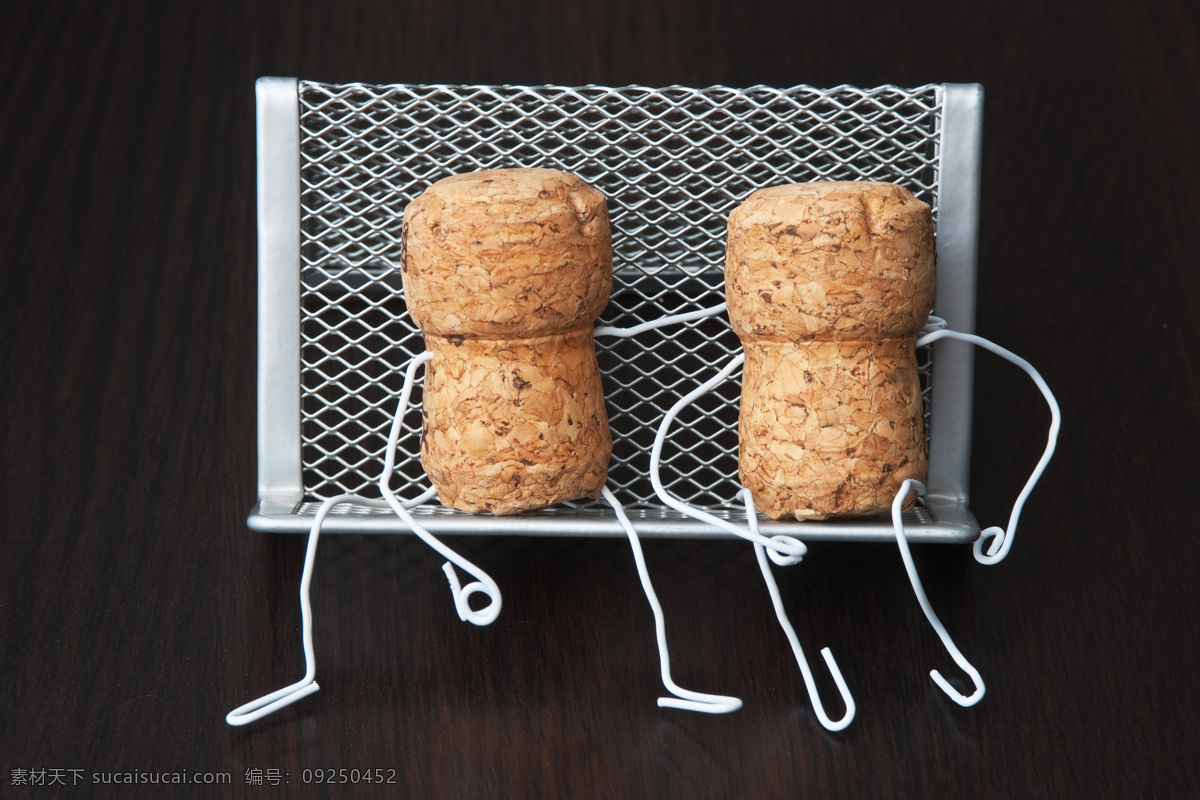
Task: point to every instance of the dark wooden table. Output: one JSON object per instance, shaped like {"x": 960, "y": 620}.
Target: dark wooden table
{"x": 137, "y": 610}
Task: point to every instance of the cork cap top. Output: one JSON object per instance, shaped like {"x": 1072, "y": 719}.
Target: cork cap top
{"x": 831, "y": 260}
{"x": 511, "y": 252}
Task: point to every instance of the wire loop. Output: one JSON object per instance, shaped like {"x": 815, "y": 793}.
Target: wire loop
{"x": 1000, "y": 540}
{"x": 268, "y": 704}
{"x": 483, "y": 583}
{"x": 784, "y": 546}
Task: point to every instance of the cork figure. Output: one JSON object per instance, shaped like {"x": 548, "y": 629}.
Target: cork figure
{"x": 828, "y": 285}
{"x": 505, "y": 272}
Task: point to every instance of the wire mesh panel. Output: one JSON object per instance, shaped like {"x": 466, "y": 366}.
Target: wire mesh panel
{"x": 673, "y": 164}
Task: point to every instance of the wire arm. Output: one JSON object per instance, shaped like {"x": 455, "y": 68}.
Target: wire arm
{"x": 1001, "y": 540}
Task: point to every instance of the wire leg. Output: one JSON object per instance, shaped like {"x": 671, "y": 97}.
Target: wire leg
{"x": 684, "y": 698}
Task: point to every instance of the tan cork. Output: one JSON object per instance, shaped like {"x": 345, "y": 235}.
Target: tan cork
{"x": 827, "y": 286}
{"x": 505, "y": 272}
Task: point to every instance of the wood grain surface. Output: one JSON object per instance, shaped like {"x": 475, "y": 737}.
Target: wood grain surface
{"x": 137, "y": 610}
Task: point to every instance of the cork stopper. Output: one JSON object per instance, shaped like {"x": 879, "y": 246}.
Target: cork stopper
{"x": 509, "y": 252}
{"x": 827, "y": 286}
{"x": 505, "y": 272}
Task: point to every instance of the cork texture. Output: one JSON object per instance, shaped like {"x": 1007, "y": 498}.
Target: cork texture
{"x": 513, "y": 252}
{"x": 514, "y": 425}
{"x": 827, "y": 286}
{"x": 505, "y": 272}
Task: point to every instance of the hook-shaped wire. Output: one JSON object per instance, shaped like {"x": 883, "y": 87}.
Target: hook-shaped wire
{"x": 809, "y": 683}
{"x": 902, "y": 540}
{"x": 684, "y": 698}
{"x": 462, "y": 594}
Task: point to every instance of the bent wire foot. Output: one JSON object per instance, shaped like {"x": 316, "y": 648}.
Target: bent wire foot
{"x": 684, "y": 698}
{"x": 269, "y": 704}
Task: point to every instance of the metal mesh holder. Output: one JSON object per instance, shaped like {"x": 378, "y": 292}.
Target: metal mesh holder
{"x": 339, "y": 163}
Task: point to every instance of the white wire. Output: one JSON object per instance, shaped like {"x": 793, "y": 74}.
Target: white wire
{"x": 781, "y": 549}
{"x": 1001, "y": 541}
{"x": 608, "y": 330}
{"x": 919, "y": 591}
{"x": 483, "y": 583}
{"x": 781, "y": 614}
{"x": 784, "y": 550}
{"x": 933, "y": 323}
{"x": 684, "y": 698}
{"x": 268, "y": 704}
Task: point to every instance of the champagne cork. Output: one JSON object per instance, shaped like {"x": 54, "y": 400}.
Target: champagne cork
{"x": 828, "y": 285}
{"x": 505, "y": 272}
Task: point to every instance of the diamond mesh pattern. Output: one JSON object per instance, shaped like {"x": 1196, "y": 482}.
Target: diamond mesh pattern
{"x": 673, "y": 163}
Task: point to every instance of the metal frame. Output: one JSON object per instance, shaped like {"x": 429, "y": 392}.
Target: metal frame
{"x": 944, "y": 518}
{"x": 280, "y": 487}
